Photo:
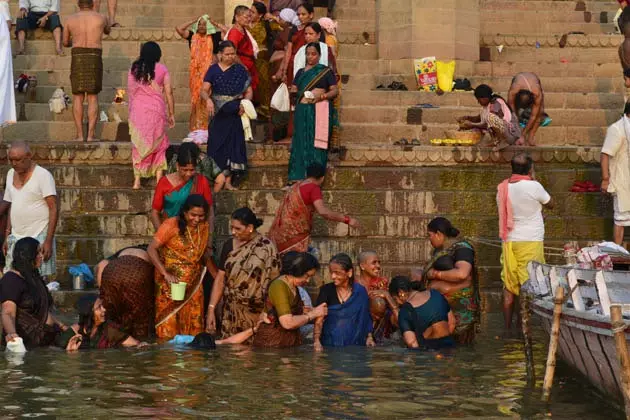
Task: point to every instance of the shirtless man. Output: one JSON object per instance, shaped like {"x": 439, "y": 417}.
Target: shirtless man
{"x": 526, "y": 95}
{"x": 84, "y": 33}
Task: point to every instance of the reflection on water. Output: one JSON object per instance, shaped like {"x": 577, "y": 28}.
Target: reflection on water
{"x": 389, "y": 382}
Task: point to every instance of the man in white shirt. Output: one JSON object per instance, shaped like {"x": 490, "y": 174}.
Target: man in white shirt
{"x": 520, "y": 200}
{"x": 38, "y": 14}
{"x": 615, "y": 164}
{"x": 33, "y": 212}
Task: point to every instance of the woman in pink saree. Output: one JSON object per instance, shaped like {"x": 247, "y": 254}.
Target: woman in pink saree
{"x": 149, "y": 114}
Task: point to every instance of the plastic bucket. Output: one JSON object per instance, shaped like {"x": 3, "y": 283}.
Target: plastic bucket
{"x": 178, "y": 290}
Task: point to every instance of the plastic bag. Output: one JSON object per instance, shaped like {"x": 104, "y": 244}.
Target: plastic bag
{"x": 445, "y": 74}
{"x": 82, "y": 268}
{"x": 280, "y": 100}
{"x": 426, "y": 73}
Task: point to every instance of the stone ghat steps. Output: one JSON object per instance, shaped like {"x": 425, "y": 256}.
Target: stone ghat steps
{"x": 583, "y": 41}
{"x": 549, "y": 6}
{"x": 531, "y": 27}
{"x": 555, "y": 54}
{"x": 538, "y": 17}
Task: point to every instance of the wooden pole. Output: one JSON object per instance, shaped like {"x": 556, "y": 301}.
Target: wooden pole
{"x": 553, "y": 344}
{"x": 525, "y": 300}
{"x": 619, "y": 330}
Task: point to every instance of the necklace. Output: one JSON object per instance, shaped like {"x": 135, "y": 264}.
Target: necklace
{"x": 193, "y": 245}
{"x": 344, "y": 299}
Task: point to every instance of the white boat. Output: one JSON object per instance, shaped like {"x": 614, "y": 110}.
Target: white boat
{"x": 586, "y": 339}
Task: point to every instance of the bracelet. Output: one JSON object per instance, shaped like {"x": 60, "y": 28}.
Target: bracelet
{"x": 346, "y": 219}
{"x": 211, "y": 306}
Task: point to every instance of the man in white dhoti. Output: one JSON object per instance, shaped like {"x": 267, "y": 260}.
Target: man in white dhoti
{"x": 7, "y": 104}
{"x": 615, "y": 163}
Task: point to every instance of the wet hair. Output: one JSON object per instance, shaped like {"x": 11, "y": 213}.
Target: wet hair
{"x": 316, "y": 171}
{"x": 521, "y": 164}
{"x": 193, "y": 200}
{"x": 297, "y": 264}
{"x": 524, "y": 99}
{"x": 203, "y": 341}
{"x": 624, "y": 19}
{"x": 247, "y": 217}
{"x": 308, "y": 7}
{"x": 24, "y": 259}
{"x": 444, "y": 226}
{"x": 404, "y": 284}
{"x": 188, "y": 154}
{"x": 225, "y": 44}
{"x": 314, "y": 26}
{"x": 483, "y": 91}
{"x": 85, "y": 308}
{"x": 260, "y": 7}
{"x": 143, "y": 69}
{"x": 314, "y": 45}
{"x": 345, "y": 262}
{"x": 239, "y": 10}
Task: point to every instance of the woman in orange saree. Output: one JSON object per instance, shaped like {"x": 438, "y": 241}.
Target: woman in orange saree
{"x": 177, "y": 251}
{"x": 201, "y": 47}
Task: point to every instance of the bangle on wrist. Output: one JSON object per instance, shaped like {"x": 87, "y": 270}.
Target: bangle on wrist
{"x": 346, "y": 219}
{"x": 211, "y": 306}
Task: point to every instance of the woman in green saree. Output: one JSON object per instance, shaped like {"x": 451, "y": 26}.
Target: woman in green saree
{"x": 316, "y": 86}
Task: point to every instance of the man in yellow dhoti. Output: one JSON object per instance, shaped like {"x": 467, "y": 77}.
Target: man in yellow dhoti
{"x": 520, "y": 200}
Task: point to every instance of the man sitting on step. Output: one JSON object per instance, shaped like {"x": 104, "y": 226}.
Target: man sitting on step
{"x": 38, "y": 14}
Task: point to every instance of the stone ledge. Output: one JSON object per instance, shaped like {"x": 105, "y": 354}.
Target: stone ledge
{"x": 354, "y": 155}
{"x": 578, "y": 41}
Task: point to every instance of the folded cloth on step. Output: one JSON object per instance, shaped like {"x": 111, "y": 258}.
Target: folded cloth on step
{"x": 248, "y": 115}
{"x": 86, "y": 70}
{"x": 82, "y": 268}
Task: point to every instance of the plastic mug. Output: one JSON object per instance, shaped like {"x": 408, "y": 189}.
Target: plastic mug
{"x": 178, "y": 290}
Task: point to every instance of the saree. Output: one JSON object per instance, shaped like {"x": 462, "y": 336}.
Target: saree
{"x": 501, "y": 129}
{"x": 274, "y": 335}
{"x": 169, "y": 199}
{"x": 291, "y": 228}
{"x": 201, "y": 47}
{"x": 465, "y": 303}
{"x": 108, "y": 335}
{"x": 349, "y": 323}
{"x": 297, "y": 41}
{"x": 148, "y": 123}
{"x": 279, "y": 121}
{"x": 127, "y": 294}
{"x": 248, "y": 272}
{"x": 182, "y": 257}
{"x": 226, "y": 139}
{"x": 303, "y": 150}
{"x": 7, "y": 92}
{"x": 247, "y": 51}
{"x": 335, "y": 135}
{"x": 262, "y": 32}
{"x": 382, "y": 327}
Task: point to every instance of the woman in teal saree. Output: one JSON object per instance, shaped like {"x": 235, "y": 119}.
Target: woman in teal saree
{"x": 316, "y": 87}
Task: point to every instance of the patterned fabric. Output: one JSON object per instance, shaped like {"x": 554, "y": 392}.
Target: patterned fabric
{"x": 86, "y": 70}
{"x": 248, "y": 272}
{"x": 335, "y": 136}
{"x": 464, "y": 302}
{"x": 206, "y": 167}
{"x": 383, "y": 327}
{"x": 182, "y": 257}
{"x": 201, "y": 47}
{"x": 108, "y": 335}
{"x": 501, "y": 129}
{"x": 262, "y": 94}
{"x": 148, "y": 123}
{"x": 291, "y": 228}
{"x": 127, "y": 294}
{"x": 274, "y": 335}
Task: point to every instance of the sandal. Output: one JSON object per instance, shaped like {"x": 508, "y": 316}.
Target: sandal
{"x": 415, "y": 142}
{"x": 402, "y": 142}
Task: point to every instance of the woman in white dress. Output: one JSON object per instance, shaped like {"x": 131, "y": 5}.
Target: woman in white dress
{"x": 7, "y": 105}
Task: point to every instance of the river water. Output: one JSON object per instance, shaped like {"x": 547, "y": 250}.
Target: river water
{"x": 485, "y": 381}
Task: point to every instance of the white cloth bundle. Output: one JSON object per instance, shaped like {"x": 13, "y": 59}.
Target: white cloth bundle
{"x": 248, "y": 115}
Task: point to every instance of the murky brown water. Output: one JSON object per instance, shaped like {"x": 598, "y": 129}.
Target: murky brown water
{"x": 388, "y": 382}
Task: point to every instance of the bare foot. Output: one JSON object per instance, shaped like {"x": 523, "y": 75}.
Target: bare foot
{"x": 230, "y": 187}
{"x": 116, "y": 25}
{"x": 519, "y": 142}
{"x": 136, "y": 184}
{"x": 500, "y": 146}
{"x": 20, "y": 52}
{"x": 61, "y": 53}
{"x": 79, "y": 139}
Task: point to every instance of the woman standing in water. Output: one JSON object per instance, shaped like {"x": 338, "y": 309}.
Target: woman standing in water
{"x": 177, "y": 252}
{"x": 148, "y": 83}
{"x": 225, "y": 84}
{"x": 452, "y": 272}
{"x": 248, "y": 264}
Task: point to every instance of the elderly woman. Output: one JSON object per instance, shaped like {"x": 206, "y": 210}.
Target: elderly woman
{"x": 316, "y": 86}
{"x": 125, "y": 280}
{"x": 245, "y": 44}
{"x": 284, "y": 306}
{"x": 173, "y": 190}
{"x": 348, "y": 322}
{"x": 425, "y": 318}
{"x": 383, "y": 308}
{"x": 496, "y": 118}
{"x": 25, "y": 300}
{"x": 248, "y": 264}
{"x": 225, "y": 84}
{"x": 452, "y": 272}
{"x": 292, "y": 226}
{"x": 178, "y": 252}
{"x": 203, "y": 40}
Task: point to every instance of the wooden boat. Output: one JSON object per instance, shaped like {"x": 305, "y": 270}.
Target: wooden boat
{"x": 586, "y": 339}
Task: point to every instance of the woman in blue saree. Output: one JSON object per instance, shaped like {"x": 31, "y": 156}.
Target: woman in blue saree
{"x": 316, "y": 86}
{"x": 225, "y": 85}
{"x": 348, "y": 322}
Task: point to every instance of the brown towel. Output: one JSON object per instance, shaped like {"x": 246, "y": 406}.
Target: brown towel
{"x": 86, "y": 70}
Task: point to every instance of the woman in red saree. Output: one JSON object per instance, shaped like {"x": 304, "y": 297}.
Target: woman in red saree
{"x": 292, "y": 226}
{"x": 177, "y": 251}
{"x": 246, "y": 46}
{"x": 305, "y": 14}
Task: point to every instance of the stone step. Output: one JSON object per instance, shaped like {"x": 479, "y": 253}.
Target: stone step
{"x": 603, "y": 55}
{"x": 541, "y": 68}
{"x": 540, "y": 17}
{"x": 550, "y": 6}
{"x": 527, "y": 27}
{"x": 582, "y": 41}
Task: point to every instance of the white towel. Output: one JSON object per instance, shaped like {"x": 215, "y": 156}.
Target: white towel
{"x": 299, "y": 61}
{"x": 248, "y": 115}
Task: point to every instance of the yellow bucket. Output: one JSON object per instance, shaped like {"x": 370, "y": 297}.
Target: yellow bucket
{"x": 178, "y": 290}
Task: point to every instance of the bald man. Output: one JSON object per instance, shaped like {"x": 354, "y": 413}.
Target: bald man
{"x": 30, "y": 192}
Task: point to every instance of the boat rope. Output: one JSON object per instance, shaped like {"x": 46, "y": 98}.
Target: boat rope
{"x": 499, "y": 244}
{"x": 618, "y": 327}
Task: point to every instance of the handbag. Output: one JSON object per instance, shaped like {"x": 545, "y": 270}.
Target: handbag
{"x": 280, "y": 100}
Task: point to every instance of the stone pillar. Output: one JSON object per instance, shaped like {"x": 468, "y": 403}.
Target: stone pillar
{"x": 447, "y": 29}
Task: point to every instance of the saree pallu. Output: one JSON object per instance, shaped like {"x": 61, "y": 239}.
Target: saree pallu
{"x": 248, "y": 272}
{"x": 465, "y": 303}
{"x": 31, "y": 316}
{"x": 148, "y": 124}
{"x": 262, "y": 94}
{"x": 349, "y": 323}
{"x": 175, "y": 199}
{"x": 297, "y": 41}
{"x": 127, "y": 294}
{"x": 108, "y": 335}
{"x": 182, "y": 257}
{"x": 7, "y": 91}
{"x": 303, "y": 150}
{"x": 292, "y": 226}
{"x": 501, "y": 129}
{"x": 86, "y": 70}
{"x": 335, "y": 136}
{"x": 201, "y": 47}
{"x": 279, "y": 121}
{"x": 274, "y": 335}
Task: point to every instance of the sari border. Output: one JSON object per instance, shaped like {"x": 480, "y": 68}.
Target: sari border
{"x": 180, "y": 306}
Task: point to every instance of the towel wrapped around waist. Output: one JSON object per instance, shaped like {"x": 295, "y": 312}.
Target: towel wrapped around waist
{"x": 86, "y": 70}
